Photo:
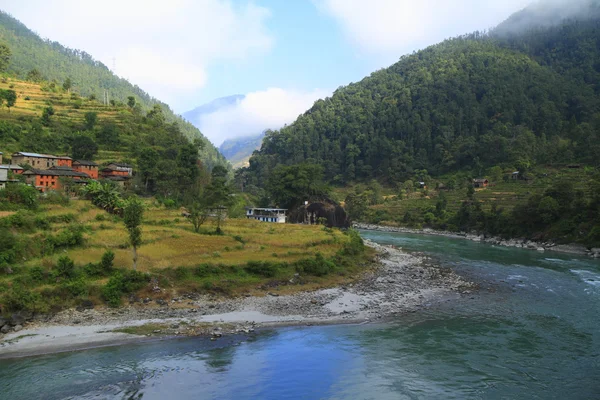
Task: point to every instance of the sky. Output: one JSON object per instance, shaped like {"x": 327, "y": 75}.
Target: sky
{"x": 282, "y": 54}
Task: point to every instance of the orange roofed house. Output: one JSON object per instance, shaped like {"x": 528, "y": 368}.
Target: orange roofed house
{"x": 87, "y": 167}
{"x": 49, "y": 179}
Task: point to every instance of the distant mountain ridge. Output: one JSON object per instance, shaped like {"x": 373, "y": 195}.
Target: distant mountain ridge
{"x": 236, "y": 150}
{"x": 239, "y": 150}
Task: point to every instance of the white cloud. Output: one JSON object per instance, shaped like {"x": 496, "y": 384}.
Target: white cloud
{"x": 391, "y": 28}
{"x": 163, "y": 47}
{"x": 268, "y": 109}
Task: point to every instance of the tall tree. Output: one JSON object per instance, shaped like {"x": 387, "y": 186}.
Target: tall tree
{"x": 67, "y": 85}
{"x": 5, "y": 54}
{"x": 218, "y": 195}
{"x": 83, "y": 148}
{"x": 133, "y": 214}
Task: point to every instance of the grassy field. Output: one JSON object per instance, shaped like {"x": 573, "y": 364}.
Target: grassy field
{"x": 249, "y": 258}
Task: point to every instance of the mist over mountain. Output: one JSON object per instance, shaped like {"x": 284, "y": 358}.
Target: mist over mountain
{"x": 239, "y": 150}
{"x": 548, "y": 13}
{"x": 195, "y": 116}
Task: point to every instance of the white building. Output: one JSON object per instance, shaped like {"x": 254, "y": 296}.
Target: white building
{"x": 275, "y": 215}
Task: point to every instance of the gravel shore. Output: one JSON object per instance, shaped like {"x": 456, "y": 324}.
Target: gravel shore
{"x": 400, "y": 284}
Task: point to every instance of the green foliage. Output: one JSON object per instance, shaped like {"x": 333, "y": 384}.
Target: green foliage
{"x": 262, "y": 268}
{"x": 107, "y": 261}
{"x": 91, "y": 118}
{"x": 133, "y": 214}
{"x": 318, "y": 266}
{"x": 355, "y": 246}
{"x": 17, "y": 196}
{"x": 121, "y": 284}
{"x": 83, "y": 147}
{"x": 289, "y": 186}
{"x": 65, "y": 268}
{"x": 19, "y": 298}
{"x": 10, "y": 96}
{"x": 5, "y": 54}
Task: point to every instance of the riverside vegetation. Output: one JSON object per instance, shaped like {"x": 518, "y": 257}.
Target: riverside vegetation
{"x": 59, "y": 252}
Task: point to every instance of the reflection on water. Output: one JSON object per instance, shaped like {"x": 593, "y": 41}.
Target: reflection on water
{"x": 531, "y": 333}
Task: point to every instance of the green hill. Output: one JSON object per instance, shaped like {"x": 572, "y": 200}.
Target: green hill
{"x": 504, "y": 99}
{"x": 55, "y": 64}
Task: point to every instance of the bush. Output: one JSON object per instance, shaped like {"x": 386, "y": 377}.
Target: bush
{"x": 204, "y": 270}
{"x": 74, "y": 288}
{"x": 19, "y": 298}
{"x": 318, "y": 266}
{"x": 122, "y": 284}
{"x": 37, "y": 274}
{"x": 65, "y": 268}
{"x": 20, "y": 195}
{"x": 354, "y": 246}
{"x": 107, "y": 261}
{"x": 262, "y": 268}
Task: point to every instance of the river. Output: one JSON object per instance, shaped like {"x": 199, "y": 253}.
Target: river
{"x": 530, "y": 332}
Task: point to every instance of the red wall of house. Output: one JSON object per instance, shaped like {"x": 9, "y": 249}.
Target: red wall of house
{"x": 86, "y": 169}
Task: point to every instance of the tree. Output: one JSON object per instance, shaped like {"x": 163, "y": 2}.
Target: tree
{"x": 90, "y": 120}
{"x": 34, "y": 75}
{"x": 147, "y": 164}
{"x": 10, "y": 96}
{"x": 5, "y": 54}
{"x": 218, "y": 194}
{"x": 67, "y": 85}
{"x": 133, "y": 214}
{"x": 83, "y": 148}
{"x": 46, "y": 114}
{"x": 291, "y": 185}
{"x": 131, "y": 101}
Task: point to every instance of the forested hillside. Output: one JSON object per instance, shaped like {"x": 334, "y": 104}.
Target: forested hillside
{"x": 512, "y": 100}
{"x": 51, "y": 64}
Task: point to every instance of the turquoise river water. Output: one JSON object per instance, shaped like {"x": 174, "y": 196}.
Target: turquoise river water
{"x": 530, "y": 332}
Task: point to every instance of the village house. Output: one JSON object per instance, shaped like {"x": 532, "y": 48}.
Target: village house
{"x": 480, "y": 183}
{"x": 6, "y": 172}
{"x": 40, "y": 161}
{"x": 117, "y": 169}
{"x": 276, "y": 215}
{"x": 50, "y": 179}
{"x": 87, "y": 167}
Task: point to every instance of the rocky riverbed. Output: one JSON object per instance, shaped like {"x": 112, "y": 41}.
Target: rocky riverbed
{"x": 518, "y": 243}
{"x": 400, "y": 283}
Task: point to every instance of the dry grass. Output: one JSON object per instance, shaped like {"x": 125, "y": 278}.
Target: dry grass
{"x": 169, "y": 240}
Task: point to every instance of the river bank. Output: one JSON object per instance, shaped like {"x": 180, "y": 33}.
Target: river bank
{"x": 496, "y": 241}
{"x": 400, "y": 283}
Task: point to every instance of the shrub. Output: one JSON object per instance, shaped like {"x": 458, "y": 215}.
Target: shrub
{"x": 65, "y": 267}
{"x": 354, "y": 246}
{"x": 240, "y": 239}
{"x": 19, "y": 298}
{"x": 74, "y": 288}
{"x": 107, "y": 261}
{"x": 262, "y": 268}
{"x": 182, "y": 273}
{"x": 318, "y": 266}
{"x": 37, "y": 274}
{"x": 121, "y": 284}
{"x": 204, "y": 270}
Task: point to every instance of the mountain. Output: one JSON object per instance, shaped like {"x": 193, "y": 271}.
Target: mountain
{"x": 514, "y": 97}
{"x": 239, "y": 150}
{"x": 195, "y": 115}
{"x": 55, "y": 63}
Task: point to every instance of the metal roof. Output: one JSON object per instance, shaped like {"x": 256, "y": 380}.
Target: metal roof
{"x": 38, "y": 155}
